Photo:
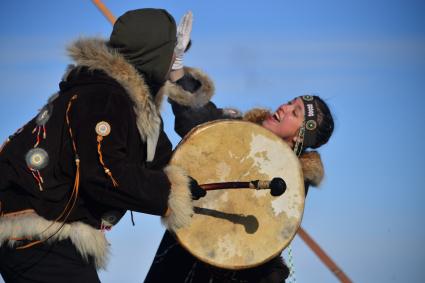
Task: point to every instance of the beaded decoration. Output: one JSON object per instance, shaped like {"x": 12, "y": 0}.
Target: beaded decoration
{"x": 37, "y": 159}
{"x": 40, "y": 121}
{"x": 103, "y": 129}
{"x": 307, "y": 133}
{"x": 300, "y": 140}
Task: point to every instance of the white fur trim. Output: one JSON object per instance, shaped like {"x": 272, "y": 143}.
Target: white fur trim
{"x": 179, "y": 200}
{"x": 87, "y": 240}
{"x": 196, "y": 99}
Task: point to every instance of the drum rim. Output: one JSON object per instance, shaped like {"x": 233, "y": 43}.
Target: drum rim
{"x": 273, "y": 255}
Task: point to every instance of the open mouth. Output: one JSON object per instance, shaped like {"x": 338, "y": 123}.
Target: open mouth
{"x": 276, "y": 117}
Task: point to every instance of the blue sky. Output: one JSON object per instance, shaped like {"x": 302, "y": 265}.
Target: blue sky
{"x": 366, "y": 58}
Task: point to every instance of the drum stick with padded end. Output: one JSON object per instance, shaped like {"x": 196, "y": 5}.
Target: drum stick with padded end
{"x": 277, "y": 186}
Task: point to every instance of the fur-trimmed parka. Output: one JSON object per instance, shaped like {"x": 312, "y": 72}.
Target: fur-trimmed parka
{"x": 191, "y": 107}
{"x": 101, "y": 151}
{"x": 191, "y": 104}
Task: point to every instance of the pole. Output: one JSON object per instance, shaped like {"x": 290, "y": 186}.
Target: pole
{"x": 301, "y": 232}
{"x": 323, "y": 256}
{"x": 105, "y": 11}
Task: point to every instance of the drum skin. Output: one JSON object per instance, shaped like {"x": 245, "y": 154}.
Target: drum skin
{"x": 240, "y": 228}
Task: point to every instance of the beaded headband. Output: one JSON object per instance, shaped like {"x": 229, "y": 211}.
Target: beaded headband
{"x": 308, "y": 131}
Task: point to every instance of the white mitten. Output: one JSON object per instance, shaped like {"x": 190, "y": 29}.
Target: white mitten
{"x": 183, "y": 38}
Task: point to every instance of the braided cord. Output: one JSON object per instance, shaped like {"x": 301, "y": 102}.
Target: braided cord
{"x": 292, "y": 278}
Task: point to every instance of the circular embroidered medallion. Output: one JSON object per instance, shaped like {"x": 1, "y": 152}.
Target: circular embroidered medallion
{"x": 37, "y": 158}
{"x": 44, "y": 115}
{"x": 308, "y": 97}
{"x": 311, "y": 125}
{"x": 103, "y": 128}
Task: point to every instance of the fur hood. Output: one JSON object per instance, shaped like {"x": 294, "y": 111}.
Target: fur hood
{"x": 96, "y": 55}
{"x": 311, "y": 163}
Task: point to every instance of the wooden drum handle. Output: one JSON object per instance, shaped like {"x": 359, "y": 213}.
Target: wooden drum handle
{"x": 277, "y": 186}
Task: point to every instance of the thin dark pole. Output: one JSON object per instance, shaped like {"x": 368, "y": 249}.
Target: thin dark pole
{"x": 323, "y": 256}
{"x": 301, "y": 232}
{"x": 105, "y": 11}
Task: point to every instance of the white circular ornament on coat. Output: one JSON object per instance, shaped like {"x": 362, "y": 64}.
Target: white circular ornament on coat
{"x": 37, "y": 158}
{"x": 103, "y": 128}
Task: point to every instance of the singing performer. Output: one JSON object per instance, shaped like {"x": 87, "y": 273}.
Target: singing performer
{"x": 304, "y": 122}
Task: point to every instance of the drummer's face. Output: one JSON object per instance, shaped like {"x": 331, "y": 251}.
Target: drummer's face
{"x": 287, "y": 120}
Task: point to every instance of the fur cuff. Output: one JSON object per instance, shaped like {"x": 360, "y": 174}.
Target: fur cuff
{"x": 86, "y": 239}
{"x": 179, "y": 200}
{"x": 196, "y": 99}
{"x": 312, "y": 166}
{"x": 256, "y": 115}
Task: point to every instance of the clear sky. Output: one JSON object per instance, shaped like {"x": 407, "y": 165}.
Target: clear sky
{"x": 366, "y": 58}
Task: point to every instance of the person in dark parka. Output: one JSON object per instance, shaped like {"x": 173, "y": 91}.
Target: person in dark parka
{"x": 95, "y": 150}
{"x": 172, "y": 262}
{"x": 192, "y": 106}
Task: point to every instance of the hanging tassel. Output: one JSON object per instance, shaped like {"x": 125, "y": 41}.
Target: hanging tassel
{"x": 37, "y": 159}
{"x": 103, "y": 129}
{"x": 74, "y": 195}
{"x": 41, "y": 121}
{"x": 37, "y": 176}
{"x": 38, "y": 138}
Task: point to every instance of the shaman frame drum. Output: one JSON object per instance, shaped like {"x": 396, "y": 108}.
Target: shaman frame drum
{"x": 240, "y": 228}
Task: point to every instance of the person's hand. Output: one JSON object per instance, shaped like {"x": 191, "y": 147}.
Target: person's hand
{"x": 183, "y": 38}
{"x": 196, "y": 191}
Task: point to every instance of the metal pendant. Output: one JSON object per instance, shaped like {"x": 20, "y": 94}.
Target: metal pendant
{"x": 44, "y": 115}
{"x": 37, "y": 158}
{"x": 103, "y": 128}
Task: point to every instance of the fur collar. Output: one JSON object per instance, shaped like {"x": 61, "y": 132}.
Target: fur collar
{"x": 311, "y": 162}
{"x": 96, "y": 55}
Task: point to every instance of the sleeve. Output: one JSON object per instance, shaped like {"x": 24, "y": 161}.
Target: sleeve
{"x": 194, "y": 90}
{"x": 186, "y": 118}
{"x": 190, "y": 100}
{"x": 130, "y": 185}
